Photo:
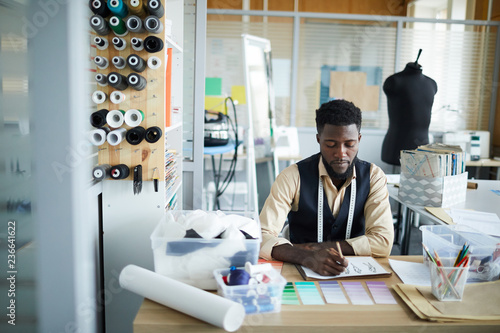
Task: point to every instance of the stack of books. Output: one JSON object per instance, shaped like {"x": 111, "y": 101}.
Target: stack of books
{"x": 433, "y": 160}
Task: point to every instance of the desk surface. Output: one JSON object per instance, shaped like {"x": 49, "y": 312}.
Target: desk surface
{"x": 482, "y": 199}
{"x": 154, "y": 317}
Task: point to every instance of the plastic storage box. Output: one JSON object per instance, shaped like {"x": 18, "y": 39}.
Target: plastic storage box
{"x": 193, "y": 260}
{"x": 448, "y": 240}
{"x": 256, "y": 298}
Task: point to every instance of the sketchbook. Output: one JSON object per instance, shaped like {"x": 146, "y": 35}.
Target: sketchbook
{"x": 358, "y": 267}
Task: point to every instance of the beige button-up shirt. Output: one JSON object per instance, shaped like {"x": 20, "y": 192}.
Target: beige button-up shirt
{"x": 284, "y": 196}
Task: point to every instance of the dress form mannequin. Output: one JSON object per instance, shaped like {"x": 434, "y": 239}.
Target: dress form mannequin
{"x": 410, "y": 96}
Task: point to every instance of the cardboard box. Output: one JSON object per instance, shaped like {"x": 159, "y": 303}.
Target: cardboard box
{"x": 436, "y": 192}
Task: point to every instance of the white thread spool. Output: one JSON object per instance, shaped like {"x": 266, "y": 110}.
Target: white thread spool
{"x": 99, "y": 97}
{"x": 116, "y": 136}
{"x": 154, "y": 62}
{"x": 115, "y": 118}
{"x": 134, "y": 117}
{"x": 117, "y": 97}
{"x": 98, "y": 136}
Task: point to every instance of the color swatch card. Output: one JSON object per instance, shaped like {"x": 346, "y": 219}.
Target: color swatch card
{"x": 289, "y": 295}
{"x": 333, "y": 293}
{"x": 309, "y": 294}
{"x": 380, "y": 293}
{"x": 357, "y": 293}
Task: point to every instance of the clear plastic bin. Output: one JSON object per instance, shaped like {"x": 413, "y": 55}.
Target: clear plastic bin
{"x": 448, "y": 240}
{"x": 193, "y": 260}
{"x": 256, "y": 298}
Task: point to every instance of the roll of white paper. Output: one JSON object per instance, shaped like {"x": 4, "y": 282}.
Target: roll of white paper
{"x": 134, "y": 117}
{"x": 115, "y": 118}
{"x": 116, "y": 136}
{"x": 192, "y": 301}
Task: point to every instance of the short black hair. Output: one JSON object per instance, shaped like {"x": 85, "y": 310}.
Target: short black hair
{"x": 338, "y": 112}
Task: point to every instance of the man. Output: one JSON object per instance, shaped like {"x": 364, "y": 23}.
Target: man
{"x": 354, "y": 200}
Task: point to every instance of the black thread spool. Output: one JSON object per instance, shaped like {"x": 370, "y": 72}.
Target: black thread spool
{"x": 100, "y": 42}
{"x": 137, "y": 81}
{"x": 119, "y": 43}
{"x": 136, "y": 63}
{"x": 99, "y": 24}
{"x": 119, "y": 62}
{"x": 135, "y": 135}
{"x": 137, "y": 44}
{"x": 117, "y": 81}
{"x": 102, "y": 79}
{"x": 98, "y": 118}
{"x": 153, "y": 44}
{"x": 134, "y": 24}
{"x": 99, "y": 7}
{"x": 156, "y": 8}
{"x": 120, "y": 171}
{"x": 153, "y": 134}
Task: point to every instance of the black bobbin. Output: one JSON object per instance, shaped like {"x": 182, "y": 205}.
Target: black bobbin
{"x": 98, "y": 118}
{"x": 153, "y": 44}
{"x": 120, "y": 171}
{"x": 153, "y": 134}
{"x": 135, "y": 135}
{"x": 136, "y": 81}
{"x": 117, "y": 81}
{"x": 136, "y": 63}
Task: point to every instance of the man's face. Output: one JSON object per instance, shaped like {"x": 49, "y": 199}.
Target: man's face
{"x": 339, "y": 147}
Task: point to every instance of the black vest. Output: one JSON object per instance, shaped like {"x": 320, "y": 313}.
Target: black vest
{"x": 304, "y": 222}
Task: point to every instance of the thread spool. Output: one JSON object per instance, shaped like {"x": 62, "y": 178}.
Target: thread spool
{"x": 101, "y": 43}
{"x": 136, "y": 63}
{"x": 99, "y": 7}
{"x": 257, "y": 269}
{"x": 98, "y": 136}
{"x": 99, "y": 97}
{"x": 115, "y": 118}
{"x": 153, "y": 44}
{"x": 154, "y": 62}
{"x": 119, "y": 43}
{"x": 134, "y": 117}
{"x": 101, "y": 79}
{"x": 153, "y": 134}
{"x": 99, "y": 24}
{"x": 101, "y": 62}
{"x": 116, "y": 136}
{"x": 137, "y": 81}
{"x": 135, "y": 135}
{"x": 137, "y": 44}
{"x": 137, "y": 7}
{"x": 117, "y": 97}
{"x": 153, "y": 24}
{"x": 98, "y": 118}
{"x": 118, "y": 8}
{"x": 134, "y": 24}
{"x": 119, "y": 62}
{"x": 118, "y": 26}
{"x": 117, "y": 81}
{"x": 101, "y": 172}
{"x": 156, "y": 8}
{"x": 120, "y": 171}
{"x": 237, "y": 277}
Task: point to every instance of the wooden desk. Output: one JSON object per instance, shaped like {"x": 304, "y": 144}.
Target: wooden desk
{"x": 154, "y": 317}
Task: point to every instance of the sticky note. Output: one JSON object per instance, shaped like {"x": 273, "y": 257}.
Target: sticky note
{"x": 214, "y": 104}
{"x": 213, "y": 86}
{"x": 238, "y": 94}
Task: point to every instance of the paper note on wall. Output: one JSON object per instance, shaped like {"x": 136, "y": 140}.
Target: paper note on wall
{"x": 238, "y": 94}
{"x": 352, "y": 87}
{"x": 214, "y": 104}
{"x": 213, "y": 86}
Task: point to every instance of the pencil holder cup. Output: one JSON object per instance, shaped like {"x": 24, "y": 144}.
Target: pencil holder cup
{"x": 448, "y": 282}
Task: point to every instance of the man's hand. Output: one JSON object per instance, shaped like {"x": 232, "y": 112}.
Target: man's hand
{"x": 324, "y": 261}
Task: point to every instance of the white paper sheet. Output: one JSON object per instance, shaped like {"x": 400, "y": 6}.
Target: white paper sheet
{"x": 413, "y": 273}
{"x": 358, "y": 266}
